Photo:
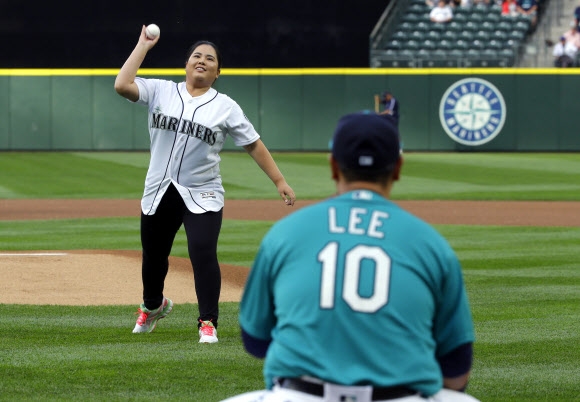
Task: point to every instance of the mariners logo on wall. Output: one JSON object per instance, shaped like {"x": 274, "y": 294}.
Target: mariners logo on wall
{"x": 472, "y": 111}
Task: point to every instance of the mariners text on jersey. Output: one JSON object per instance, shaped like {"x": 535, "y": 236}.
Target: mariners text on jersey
{"x": 187, "y": 127}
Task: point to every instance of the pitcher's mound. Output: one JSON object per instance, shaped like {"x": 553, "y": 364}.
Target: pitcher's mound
{"x": 92, "y": 277}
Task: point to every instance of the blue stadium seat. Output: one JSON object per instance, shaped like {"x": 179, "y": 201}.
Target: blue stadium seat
{"x": 434, "y": 35}
{"x": 494, "y": 44}
{"x": 394, "y": 44}
{"x": 477, "y": 44}
{"x": 494, "y": 18}
{"x": 450, "y": 35}
{"x": 471, "y": 26}
{"x": 461, "y": 44}
{"x": 473, "y": 54}
{"x": 445, "y": 45}
{"x": 481, "y": 35}
{"x": 429, "y": 44}
{"x": 498, "y": 35}
{"x": 423, "y": 26}
{"x": 504, "y": 25}
{"x": 417, "y": 35}
{"x": 516, "y": 35}
{"x": 400, "y": 35}
{"x": 411, "y": 45}
{"x": 456, "y": 53}
{"x": 466, "y": 35}
{"x": 411, "y": 17}
{"x": 476, "y": 17}
{"x": 487, "y": 26}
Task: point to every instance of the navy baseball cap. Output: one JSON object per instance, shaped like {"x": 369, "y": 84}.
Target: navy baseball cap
{"x": 366, "y": 141}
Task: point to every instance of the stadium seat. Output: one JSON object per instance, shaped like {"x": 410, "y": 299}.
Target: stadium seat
{"x": 516, "y": 35}
{"x": 411, "y": 45}
{"x": 498, "y": 35}
{"x": 507, "y": 53}
{"x": 411, "y": 17}
{"x": 523, "y": 18}
{"x": 407, "y": 53}
{"x": 461, "y": 44}
{"x": 394, "y": 44}
{"x": 494, "y": 18}
{"x": 445, "y": 45}
{"x": 477, "y": 44}
{"x": 476, "y": 17}
{"x": 471, "y": 26}
{"x": 466, "y": 35}
{"x": 400, "y": 35}
{"x": 389, "y": 53}
{"x": 449, "y": 35}
{"x": 487, "y": 26}
{"x": 473, "y": 54}
{"x": 439, "y": 54}
{"x": 489, "y": 58}
{"x": 481, "y": 35}
{"x": 419, "y": 36}
{"x": 425, "y": 18}
{"x": 512, "y": 44}
{"x": 494, "y": 44}
{"x": 418, "y": 8}
{"x": 522, "y": 26}
{"x": 434, "y": 35}
{"x": 423, "y": 26}
{"x": 406, "y": 26}
{"x": 495, "y": 9}
{"x": 423, "y": 53}
{"x": 439, "y": 58}
{"x": 429, "y": 45}
{"x": 460, "y": 18}
{"x": 456, "y": 56}
{"x": 480, "y": 9}
{"x": 461, "y": 11}
{"x": 489, "y": 54}
{"x": 504, "y": 25}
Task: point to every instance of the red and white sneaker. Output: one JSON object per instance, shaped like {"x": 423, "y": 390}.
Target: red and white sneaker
{"x": 207, "y": 332}
{"x": 147, "y": 320}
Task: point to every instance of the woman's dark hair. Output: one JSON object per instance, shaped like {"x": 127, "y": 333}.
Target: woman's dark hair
{"x": 205, "y": 42}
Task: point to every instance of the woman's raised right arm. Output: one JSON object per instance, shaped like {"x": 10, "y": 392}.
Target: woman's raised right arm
{"x": 125, "y": 81}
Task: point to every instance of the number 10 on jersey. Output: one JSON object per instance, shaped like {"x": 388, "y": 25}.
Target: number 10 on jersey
{"x": 328, "y": 256}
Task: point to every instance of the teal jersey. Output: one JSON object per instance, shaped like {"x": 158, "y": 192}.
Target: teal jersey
{"x": 355, "y": 290}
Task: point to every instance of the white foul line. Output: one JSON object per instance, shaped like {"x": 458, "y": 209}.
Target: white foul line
{"x": 32, "y": 254}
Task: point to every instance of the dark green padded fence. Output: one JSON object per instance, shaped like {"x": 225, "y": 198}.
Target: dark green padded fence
{"x": 293, "y": 110}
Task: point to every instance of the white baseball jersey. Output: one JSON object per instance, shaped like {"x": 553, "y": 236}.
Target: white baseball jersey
{"x": 187, "y": 133}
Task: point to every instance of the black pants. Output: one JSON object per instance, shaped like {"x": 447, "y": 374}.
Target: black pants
{"x": 157, "y": 235}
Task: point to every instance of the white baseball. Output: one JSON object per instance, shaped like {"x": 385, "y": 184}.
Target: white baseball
{"x": 152, "y": 31}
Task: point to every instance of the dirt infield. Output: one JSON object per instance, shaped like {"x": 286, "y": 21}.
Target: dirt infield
{"x": 97, "y": 277}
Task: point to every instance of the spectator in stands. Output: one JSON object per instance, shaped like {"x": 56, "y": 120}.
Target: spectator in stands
{"x": 530, "y": 9}
{"x": 572, "y": 35}
{"x": 484, "y": 2}
{"x": 509, "y": 8}
{"x": 442, "y": 13}
{"x": 577, "y": 18}
{"x": 564, "y": 53}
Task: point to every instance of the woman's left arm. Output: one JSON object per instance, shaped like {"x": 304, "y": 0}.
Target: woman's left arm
{"x": 263, "y": 158}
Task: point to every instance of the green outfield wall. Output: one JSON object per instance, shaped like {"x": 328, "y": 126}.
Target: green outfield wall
{"x": 297, "y": 109}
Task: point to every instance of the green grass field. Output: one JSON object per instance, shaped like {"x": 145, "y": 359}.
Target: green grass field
{"x": 523, "y": 282}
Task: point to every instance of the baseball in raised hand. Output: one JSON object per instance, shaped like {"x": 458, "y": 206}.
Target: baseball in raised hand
{"x": 152, "y": 31}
